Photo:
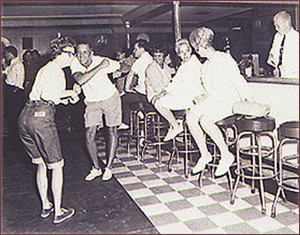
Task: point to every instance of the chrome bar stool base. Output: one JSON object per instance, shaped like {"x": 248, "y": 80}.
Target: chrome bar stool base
{"x": 254, "y": 129}
{"x": 288, "y": 133}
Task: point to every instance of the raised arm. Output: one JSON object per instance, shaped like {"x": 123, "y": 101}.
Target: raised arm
{"x": 82, "y": 78}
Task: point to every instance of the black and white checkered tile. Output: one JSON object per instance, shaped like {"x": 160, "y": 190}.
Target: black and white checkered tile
{"x": 177, "y": 205}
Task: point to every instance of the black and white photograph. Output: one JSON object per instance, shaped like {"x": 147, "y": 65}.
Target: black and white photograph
{"x": 157, "y": 117}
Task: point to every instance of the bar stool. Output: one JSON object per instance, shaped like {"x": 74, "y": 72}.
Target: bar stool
{"x": 254, "y": 128}
{"x": 288, "y": 133}
{"x": 136, "y": 130}
{"x": 229, "y": 131}
{"x": 185, "y": 146}
{"x": 154, "y": 132}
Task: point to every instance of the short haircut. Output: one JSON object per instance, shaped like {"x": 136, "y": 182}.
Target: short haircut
{"x": 11, "y": 49}
{"x": 202, "y": 37}
{"x": 180, "y": 42}
{"x": 283, "y": 15}
{"x": 143, "y": 44}
{"x": 58, "y": 44}
{"x": 90, "y": 44}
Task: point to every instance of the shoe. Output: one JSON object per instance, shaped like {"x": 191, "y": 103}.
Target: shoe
{"x": 200, "y": 165}
{"x": 46, "y": 212}
{"x": 93, "y": 174}
{"x": 67, "y": 213}
{"x": 107, "y": 174}
{"x": 123, "y": 126}
{"x": 173, "y": 132}
{"x": 224, "y": 165}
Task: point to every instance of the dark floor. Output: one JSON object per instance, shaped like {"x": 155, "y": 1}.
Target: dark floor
{"x": 101, "y": 207}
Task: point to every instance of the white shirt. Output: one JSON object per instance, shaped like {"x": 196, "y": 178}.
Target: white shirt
{"x": 99, "y": 87}
{"x": 222, "y": 79}
{"x": 157, "y": 78}
{"x": 187, "y": 81}
{"x": 49, "y": 83}
{"x": 290, "y": 55}
{"x": 139, "y": 68}
{"x": 15, "y": 73}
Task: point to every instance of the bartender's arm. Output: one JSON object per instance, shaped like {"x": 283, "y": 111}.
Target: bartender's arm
{"x": 82, "y": 78}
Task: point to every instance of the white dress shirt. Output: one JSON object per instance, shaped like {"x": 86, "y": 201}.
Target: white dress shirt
{"x": 290, "y": 55}
{"x": 139, "y": 68}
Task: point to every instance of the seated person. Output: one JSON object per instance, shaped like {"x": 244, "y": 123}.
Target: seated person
{"x": 224, "y": 86}
{"x": 119, "y": 76}
{"x": 135, "y": 81}
{"x": 158, "y": 73}
{"x": 185, "y": 87}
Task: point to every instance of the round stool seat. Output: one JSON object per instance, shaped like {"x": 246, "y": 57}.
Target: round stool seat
{"x": 289, "y": 130}
{"x": 259, "y": 124}
{"x": 228, "y": 121}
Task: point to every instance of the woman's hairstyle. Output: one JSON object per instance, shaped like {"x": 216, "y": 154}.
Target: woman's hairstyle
{"x": 201, "y": 37}
{"x": 58, "y": 44}
{"x": 11, "y": 49}
{"x": 159, "y": 48}
{"x": 181, "y": 42}
{"x": 143, "y": 44}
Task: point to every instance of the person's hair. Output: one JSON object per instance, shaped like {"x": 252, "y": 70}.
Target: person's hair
{"x": 27, "y": 56}
{"x": 143, "y": 36}
{"x": 159, "y": 48}
{"x": 202, "y": 37}
{"x": 58, "y": 44}
{"x": 143, "y": 44}
{"x": 283, "y": 15}
{"x": 11, "y": 49}
{"x": 180, "y": 42}
{"x": 89, "y": 43}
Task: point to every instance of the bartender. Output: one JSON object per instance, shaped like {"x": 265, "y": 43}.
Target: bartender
{"x": 284, "y": 54}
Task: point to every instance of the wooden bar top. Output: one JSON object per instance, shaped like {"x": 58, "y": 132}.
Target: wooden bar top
{"x": 276, "y": 80}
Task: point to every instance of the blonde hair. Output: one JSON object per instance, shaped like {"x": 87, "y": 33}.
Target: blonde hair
{"x": 180, "y": 42}
{"x": 283, "y": 15}
{"x": 201, "y": 37}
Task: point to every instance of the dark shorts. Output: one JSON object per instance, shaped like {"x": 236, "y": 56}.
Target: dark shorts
{"x": 37, "y": 130}
{"x": 110, "y": 108}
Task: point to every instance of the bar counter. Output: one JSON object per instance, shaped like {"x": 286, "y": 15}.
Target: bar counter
{"x": 289, "y": 81}
{"x": 282, "y": 94}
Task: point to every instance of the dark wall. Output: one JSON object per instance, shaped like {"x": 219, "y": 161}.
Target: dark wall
{"x": 263, "y": 30}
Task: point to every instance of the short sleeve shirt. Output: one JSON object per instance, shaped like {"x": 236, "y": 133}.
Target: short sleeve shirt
{"x": 139, "y": 68}
{"x": 99, "y": 87}
{"x": 49, "y": 84}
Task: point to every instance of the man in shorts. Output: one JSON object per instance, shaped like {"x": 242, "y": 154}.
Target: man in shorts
{"x": 37, "y": 128}
{"x": 101, "y": 99}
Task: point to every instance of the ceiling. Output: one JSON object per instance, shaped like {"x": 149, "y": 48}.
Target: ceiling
{"x": 113, "y": 14}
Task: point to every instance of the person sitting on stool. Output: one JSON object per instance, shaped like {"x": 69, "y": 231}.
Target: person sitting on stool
{"x": 224, "y": 86}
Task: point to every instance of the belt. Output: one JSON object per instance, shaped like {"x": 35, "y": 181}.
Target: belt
{"x": 48, "y": 102}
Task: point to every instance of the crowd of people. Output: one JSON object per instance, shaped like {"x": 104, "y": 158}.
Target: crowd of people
{"x": 146, "y": 79}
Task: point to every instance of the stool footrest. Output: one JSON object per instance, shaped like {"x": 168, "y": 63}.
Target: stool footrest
{"x": 253, "y": 150}
{"x": 262, "y": 177}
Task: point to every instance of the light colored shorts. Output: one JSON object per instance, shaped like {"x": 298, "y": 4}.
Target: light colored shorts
{"x": 110, "y": 109}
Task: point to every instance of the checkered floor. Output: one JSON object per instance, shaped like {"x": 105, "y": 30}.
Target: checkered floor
{"x": 175, "y": 204}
